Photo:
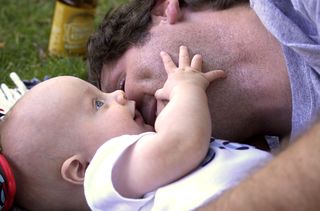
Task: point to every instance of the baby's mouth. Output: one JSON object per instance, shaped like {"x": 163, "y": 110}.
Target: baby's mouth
{"x": 138, "y": 117}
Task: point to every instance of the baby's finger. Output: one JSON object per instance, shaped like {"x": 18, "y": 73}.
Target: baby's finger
{"x": 214, "y": 74}
{"x": 196, "y": 62}
{"x": 169, "y": 65}
{"x": 184, "y": 60}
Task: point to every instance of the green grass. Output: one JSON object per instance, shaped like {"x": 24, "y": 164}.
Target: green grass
{"x": 24, "y": 34}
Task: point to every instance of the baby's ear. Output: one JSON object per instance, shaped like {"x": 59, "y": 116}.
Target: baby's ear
{"x": 166, "y": 10}
{"x": 73, "y": 169}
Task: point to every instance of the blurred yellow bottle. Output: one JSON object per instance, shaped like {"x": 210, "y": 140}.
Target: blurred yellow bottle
{"x": 72, "y": 24}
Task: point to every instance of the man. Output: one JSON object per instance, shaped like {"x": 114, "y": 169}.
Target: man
{"x": 272, "y": 84}
{"x": 240, "y": 105}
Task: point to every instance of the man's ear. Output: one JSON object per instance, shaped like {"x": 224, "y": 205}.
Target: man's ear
{"x": 166, "y": 10}
{"x": 73, "y": 169}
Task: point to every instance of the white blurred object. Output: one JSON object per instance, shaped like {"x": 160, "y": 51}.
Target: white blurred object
{"x": 9, "y": 96}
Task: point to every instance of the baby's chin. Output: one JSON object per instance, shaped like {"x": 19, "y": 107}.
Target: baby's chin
{"x": 149, "y": 128}
{"x": 138, "y": 118}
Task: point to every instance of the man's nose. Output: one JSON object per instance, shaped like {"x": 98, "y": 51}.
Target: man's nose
{"x": 120, "y": 97}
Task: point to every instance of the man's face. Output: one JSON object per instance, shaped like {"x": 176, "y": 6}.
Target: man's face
{"x": 139, "y": 72}
{"x": 226, "y": 40}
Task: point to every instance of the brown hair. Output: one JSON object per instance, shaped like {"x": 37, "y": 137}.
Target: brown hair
{"x": 127, "y": 26}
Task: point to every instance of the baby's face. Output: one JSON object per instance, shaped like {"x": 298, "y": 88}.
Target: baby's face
{"x": 79, "y": 111}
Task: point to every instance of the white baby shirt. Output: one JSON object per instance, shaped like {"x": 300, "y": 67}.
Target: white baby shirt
{"x": 225, "y": 165}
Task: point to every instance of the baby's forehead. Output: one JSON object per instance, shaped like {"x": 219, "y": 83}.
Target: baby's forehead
{"x": 55, "y": 94}
{"x": 42, "y": 96}
{"x": 58, "y": 86}
{"x": 44, "y": 106}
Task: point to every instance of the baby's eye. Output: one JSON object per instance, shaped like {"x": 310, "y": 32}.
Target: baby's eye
{"x": 98, "y": 104}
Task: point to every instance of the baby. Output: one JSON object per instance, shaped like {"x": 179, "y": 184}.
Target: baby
{"x": 70, "y": 146}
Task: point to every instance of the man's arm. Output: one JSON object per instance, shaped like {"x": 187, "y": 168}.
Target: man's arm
{"x": 289, "y": 182}
{"x": 183, "y": 130}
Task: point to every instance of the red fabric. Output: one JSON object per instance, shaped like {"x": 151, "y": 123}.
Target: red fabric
{"x": 9, "y": 185}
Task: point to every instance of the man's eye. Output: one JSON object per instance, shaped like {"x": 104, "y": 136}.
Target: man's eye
{"x": 122, "y": 84}
{"x": 98, "y": 104}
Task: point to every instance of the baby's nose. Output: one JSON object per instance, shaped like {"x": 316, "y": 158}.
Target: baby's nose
{"x": 120, "y": 97}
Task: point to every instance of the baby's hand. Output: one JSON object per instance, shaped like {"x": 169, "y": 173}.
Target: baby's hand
{"x": 188, "y": 73}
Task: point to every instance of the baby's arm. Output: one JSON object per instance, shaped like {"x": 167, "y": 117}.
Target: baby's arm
{"x": 183, "y": 130}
